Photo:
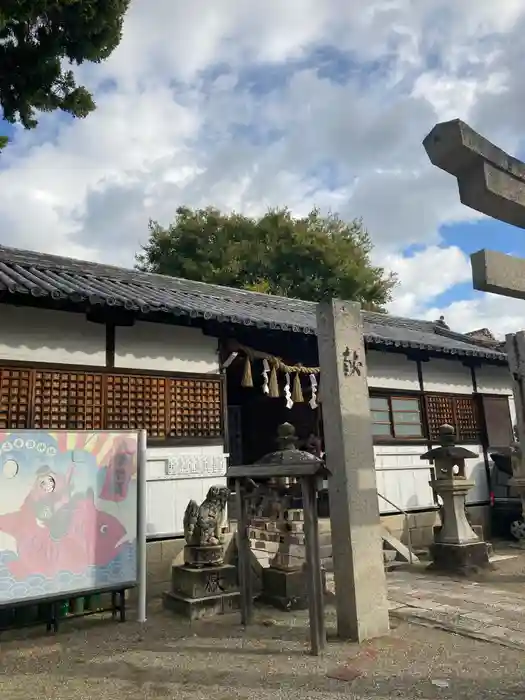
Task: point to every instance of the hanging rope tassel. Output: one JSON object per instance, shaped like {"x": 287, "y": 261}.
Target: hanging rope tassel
{"x": 313, "y": 385}
{"x": 297, "y": 395}
{"x": 266, "y": 370}
{"x": 247, "y": 379}
{"x": 274, "y": 385}
{"x": 287, "y": 391}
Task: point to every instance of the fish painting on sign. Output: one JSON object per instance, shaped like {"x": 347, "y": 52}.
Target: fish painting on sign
{"x": 68, "y": 513}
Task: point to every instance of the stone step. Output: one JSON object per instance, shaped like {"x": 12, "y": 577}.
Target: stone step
{"x": 328, "y": 564}
{"x": 266, "y": 543}
{"x": 402, "y": 553}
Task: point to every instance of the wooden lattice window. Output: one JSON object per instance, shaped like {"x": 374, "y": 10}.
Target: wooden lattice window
{"x": 440, "y": 410}
{"x": 397, "y": 417}
{"x": 195, "y": 408}
{"x": 67, "y": 400}
{"x": 135, "y": 403}
{"x": 82, "y": 400}
{"x": 458, "y": 411}
{"x": 467, "y": 421}
{"x": 15, "y": 398}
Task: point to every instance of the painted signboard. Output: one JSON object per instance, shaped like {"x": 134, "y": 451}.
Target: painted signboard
{"x": 68, "y": 513}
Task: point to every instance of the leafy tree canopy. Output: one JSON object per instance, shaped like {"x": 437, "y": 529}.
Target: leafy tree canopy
{"x": 313, "y": 258}
{"x": 37, "y": 37}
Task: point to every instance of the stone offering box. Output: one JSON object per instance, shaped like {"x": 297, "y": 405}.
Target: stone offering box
{"x": 285, "y": 485}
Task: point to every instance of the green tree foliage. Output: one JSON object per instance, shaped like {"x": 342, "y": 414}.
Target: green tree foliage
{"x": 37, "y": 38}
{"x": 313, "y": 258}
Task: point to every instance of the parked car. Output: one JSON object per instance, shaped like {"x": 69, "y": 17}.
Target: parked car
{"x": 507, "y": 520}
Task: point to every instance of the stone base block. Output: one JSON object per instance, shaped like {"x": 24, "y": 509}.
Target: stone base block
{"x": 287, "y": 562}
{"x": 477, "y": 529}
{"x": 191, "y": 582}
{"x": 294, "y": 514}
{"x": 197, "y": 608}
{"x": 286, "y": 590}
{"x": 459, "y": 558}
{"x": 210, "y": 555}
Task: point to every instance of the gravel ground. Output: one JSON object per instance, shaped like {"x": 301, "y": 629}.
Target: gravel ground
{"x": 216, "y": 660}
{"x": 508, "y": 574}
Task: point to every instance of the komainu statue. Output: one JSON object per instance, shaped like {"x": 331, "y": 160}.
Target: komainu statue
{"x": 204, "y": 525}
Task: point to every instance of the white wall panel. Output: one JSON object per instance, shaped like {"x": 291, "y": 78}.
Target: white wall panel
{"x": 446, "y": 376}
{"x": 388, "y": 370}
{"x": 493, "y": 379}
{"x": 475, "y": 470}
{"x": 403, "y": 477}
{"x": 168, "y": 494}
{"x": 158, "y": 346}
{"x": 59, "y": 337}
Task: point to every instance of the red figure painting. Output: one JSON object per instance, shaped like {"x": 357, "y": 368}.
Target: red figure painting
{"x": 121, "y": 468}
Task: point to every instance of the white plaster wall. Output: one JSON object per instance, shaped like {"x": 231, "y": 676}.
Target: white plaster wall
{"x": 30, "y": 335}
{"x": 493, "y": 379}
{"x": 403, "y": 477}
{"x": 447, "y": 376}
{"x": 167, "y": 496}
{"x": 157, "y": 346}
{"x": 388, "y": 370}
{"x": 475, "y": 470}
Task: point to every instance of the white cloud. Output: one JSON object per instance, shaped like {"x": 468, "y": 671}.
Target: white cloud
{"x": 499, "y": 314}
{"x": 433, "y": 271}
{"x": 241, "y": 105}
{"x": 424, "y": 276}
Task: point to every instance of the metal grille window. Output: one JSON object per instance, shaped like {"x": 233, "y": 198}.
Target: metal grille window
{"x": 396, "y": 417}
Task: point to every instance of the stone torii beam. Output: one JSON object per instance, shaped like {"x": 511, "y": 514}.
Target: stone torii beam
{"x": 492, "y": 182}
{"x": 489, "y": 180}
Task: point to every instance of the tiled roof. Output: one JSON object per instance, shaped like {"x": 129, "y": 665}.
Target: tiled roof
{"x": 27, "y": 273}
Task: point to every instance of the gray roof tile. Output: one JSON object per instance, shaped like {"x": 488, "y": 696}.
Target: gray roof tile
{"x": 27, "y": 273}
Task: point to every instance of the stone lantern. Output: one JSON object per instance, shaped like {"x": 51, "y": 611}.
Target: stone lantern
{"x": 287, "y": 485}
{"x": 456, "y": 546}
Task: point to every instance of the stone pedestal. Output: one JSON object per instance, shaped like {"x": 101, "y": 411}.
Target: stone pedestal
{"x": 459, "y": 558}
{"x": 286, "y": 589}
{"x": 209, "y": 555}
{"x": 455, "y": 529}
{"x": 280, "y": 544}
{"x": 203, "y": 591}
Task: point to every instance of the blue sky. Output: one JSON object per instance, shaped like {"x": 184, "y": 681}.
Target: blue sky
{"x": 300, "y": 104}
{"x": 469, "y": 238}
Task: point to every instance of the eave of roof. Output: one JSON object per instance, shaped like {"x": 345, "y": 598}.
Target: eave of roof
{"x": 58, "y": 279}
